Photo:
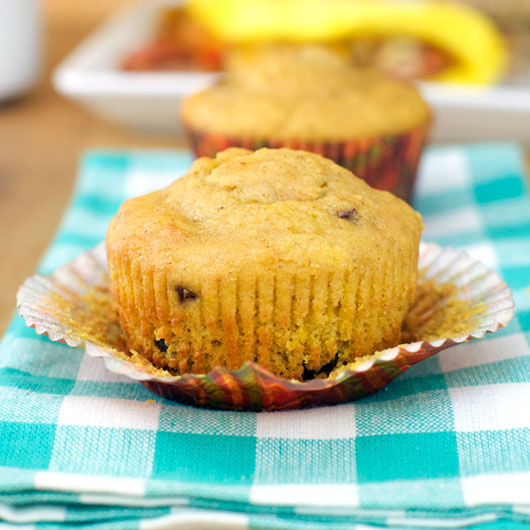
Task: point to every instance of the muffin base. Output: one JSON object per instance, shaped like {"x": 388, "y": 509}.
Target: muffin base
{"x": 292, "y": 325}
{"x": 387, "y": 163}
{"x": 477, "y": 303}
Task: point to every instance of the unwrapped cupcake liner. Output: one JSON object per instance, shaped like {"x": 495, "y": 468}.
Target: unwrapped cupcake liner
{"x": 458, "y": 299}
{"x": 386, "y": 163}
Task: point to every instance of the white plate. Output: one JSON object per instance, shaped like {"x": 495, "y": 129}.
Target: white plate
{"x": 91, "y": 76}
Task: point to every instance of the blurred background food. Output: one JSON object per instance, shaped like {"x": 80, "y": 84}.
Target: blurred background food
{"x": 419, "y": 40}
{"x": 140, "y": 65}
{"x": 312, "y": 97}
{"x": 427, "y": 39}
{"x": 180, "y": 42}
{"x": 513, "y": 19}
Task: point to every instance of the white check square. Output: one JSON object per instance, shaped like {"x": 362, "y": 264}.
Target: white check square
{"x": 452, "y": 223}
{"x": 331, "y": 423}
{"x": 346, "y": 495}
{"x": 444, "y": 169}
{"x": 485, "y": 253}
{"x": 478, "y": 353}
{"x": 109, "y": 412}
{"x": 92, "y": 369}
{"x": 141, "y": 181}
{"x": 496, "y": 488}
{"x": 491, "y": 407}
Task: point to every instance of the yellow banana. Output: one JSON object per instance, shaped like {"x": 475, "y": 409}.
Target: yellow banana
{"x": 475, "y": 45}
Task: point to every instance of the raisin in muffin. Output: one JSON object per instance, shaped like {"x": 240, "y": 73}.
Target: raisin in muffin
{"x": 276, "y": 256}
{"x": 312, "y": 98}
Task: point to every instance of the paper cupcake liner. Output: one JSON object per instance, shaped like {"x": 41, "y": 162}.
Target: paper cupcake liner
{"x": 386, "y": 163}
{"x": 458, "y": 300}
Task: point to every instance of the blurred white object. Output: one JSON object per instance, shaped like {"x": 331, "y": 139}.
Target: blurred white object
{"x": 91, "y": 74}
{"x": 150, "y": 100}
{"x": 20, "y": 46}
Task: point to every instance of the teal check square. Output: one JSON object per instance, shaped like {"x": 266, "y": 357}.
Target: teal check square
{"x": 305, "y": 461}
{"x": 70, "y": 240}
{"x": 517, "y": 277}
{"x": 443, "y": 202}
{"x": 494, "y": 451}
{"x": 179, "y": 418}
{"x": 18, "y": 329}
{"x": 516, "y": 370}
{"x": 66, "y": 250}
{"x": 24, "y": 406}
{"x": 462, "y": 240}
{"x": 97, "y": 203}
{"x": 489, "y": 163}
{"x": 55, "y": 360}
{"x": 177, "y": 162}
{"x": 104, "y": 170}
{"x": 37, "y": 449}
{"x": 107, "y": 162}
{"x": 126, "y": 390}
{"x": 524, "y": 319}
{"x": 513, "y": 212}
{"x": 18, "y": 480}
{"x": 514, "y": 230}
{"x": 420, "y": 381}
{"x": 429, "y": 369}
{"x": 427, "y": 493}
{"x": 87, "y": 222}
{"x": 407, "y": 456}
{"x": 501, "y": 189}
{"x": 35, "y": 383}
{"x": 204, "y": 458}
{"x": 521, "y": 299}
{"x": 95, "y": 450}
{"x": 418, "y": 412}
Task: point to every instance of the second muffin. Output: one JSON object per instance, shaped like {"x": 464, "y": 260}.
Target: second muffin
{"x": 278, "y": 256}
{"x": 312, "y": 98}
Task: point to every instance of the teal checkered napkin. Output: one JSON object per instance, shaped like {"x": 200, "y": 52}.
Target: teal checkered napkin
{"x": 445, "y": 445}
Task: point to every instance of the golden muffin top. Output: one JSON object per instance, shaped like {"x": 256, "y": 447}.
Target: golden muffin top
{"x": 304, "y": 93}
{"x": 268, "y": 210}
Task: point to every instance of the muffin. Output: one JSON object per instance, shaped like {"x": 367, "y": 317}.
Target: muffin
{"x": 312, "y": 98}
{"x": 277, "y": 256}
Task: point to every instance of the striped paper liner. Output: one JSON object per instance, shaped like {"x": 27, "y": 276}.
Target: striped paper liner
{"x": 387, "y": 163}
{"x": 56, "y": 305}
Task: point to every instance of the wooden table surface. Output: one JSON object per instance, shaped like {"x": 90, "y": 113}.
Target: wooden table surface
{"x": 41, "y": 138}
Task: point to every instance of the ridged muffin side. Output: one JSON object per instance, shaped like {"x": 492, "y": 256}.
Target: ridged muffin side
{"x": 278, "y": 257}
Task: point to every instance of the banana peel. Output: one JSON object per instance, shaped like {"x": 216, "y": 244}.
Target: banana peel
{"x": 475, "y": 45}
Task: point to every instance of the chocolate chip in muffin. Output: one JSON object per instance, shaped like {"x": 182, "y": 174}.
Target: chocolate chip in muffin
{"x": 329, "y": 366}
{"x": 308, "y": 374}
{"x": 325, "y": 369}
{"x": 349, "y": 215}
{"x": 185, "y": 294}
{"x": 161, "y": 345}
